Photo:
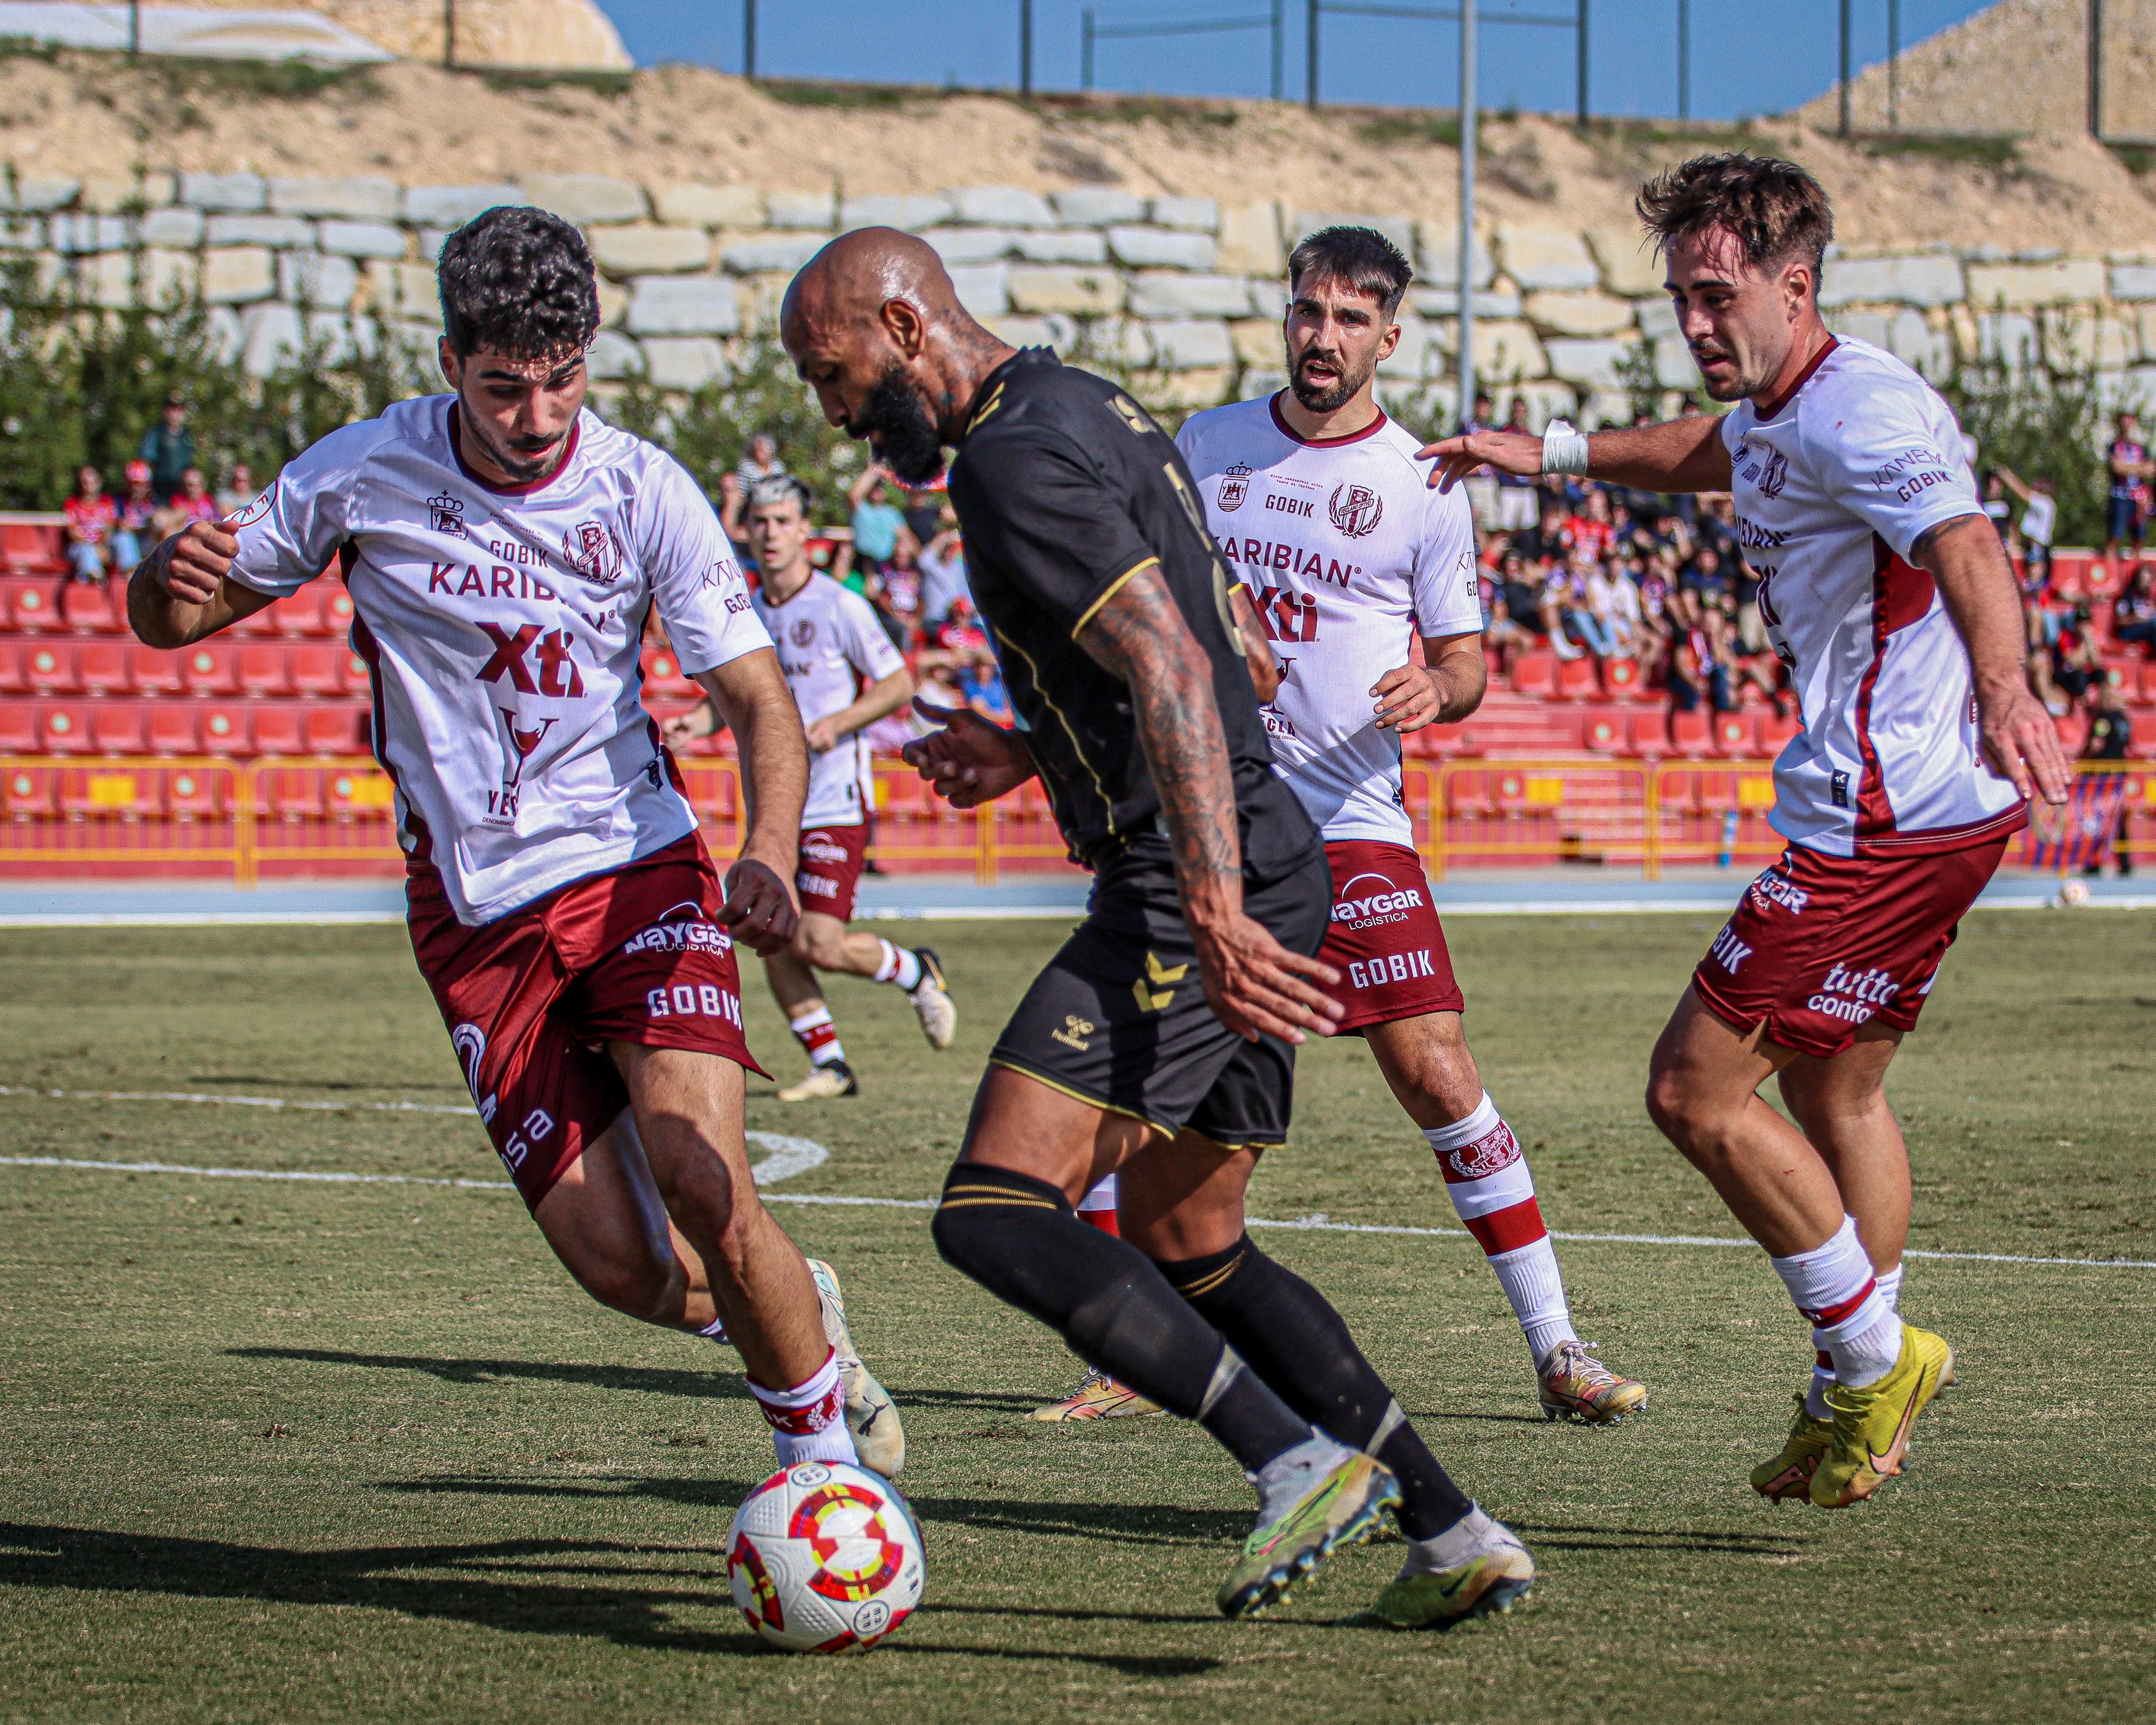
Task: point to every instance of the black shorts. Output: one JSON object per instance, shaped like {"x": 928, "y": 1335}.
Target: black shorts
{"x": 1119, "y": 1018}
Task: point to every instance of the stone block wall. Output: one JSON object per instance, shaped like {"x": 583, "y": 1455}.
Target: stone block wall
{"x": 1184, "y": 287}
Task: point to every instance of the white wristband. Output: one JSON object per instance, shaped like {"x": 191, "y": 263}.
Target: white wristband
{"x": 1564, "y": 451}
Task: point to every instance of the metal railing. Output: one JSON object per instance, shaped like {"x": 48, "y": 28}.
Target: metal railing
{"x": 212, "y": 815}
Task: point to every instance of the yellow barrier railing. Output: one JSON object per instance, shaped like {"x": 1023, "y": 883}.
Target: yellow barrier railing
{"x": 200, "y": 812}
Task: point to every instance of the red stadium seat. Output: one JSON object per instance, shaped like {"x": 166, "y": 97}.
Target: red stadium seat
{"x": 65, "y": 730}
{"x": 318, "y": 667}
{"x": 257, "y": 625}
{"x": 101, "y": 668}
{"x": 26, "y": 792}
{"x": 1605, "y": 734}
{"x": 1736, "y": 736}
{"x": 358, "y": 790}
{"x": 1620, "y": 678}
{"x": 191, "y": 794}
{"x": 2142, "y": 692}
{"x": 300, "y": 614}
{"x": 210, "y": 668}
{"x": 33, "y": 547}
{"x": 92, "y": 610}
{"x": 336, "y": 608}
{"x": 172, "y": 728}
{"x": 263, "y": 670}
{"x": 48, "y": 669}
{"x": 19, "y": 728}
{"x": 1648, "y": 734}
{"x": 1535, "y": 674}
{"x": 151, "y": 670}
{"x": 1576, "y": 680}
{"x": 280, "y": 729}
{"x": 1470, "y": 793}
{"x": 13, "y": 672}
{"x": 221, "y": 729}
{"x": 1775, "y": 731}
{"x": 337, "y": 730}
{"x": 1713, "y": 792}
{"x": 290, "y": 793}
{"x": 109, "y": 791}
{"x": 31, "y": 608}
{"x": 117, "y": 727}
{"x": 1690, "y": 734}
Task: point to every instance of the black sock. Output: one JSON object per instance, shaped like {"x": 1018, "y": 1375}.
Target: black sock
{"x": 1021, "y": 1241}
{"x": 1290, "y": 1335}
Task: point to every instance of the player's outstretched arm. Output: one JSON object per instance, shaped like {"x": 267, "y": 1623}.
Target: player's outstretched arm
{"x": 969, "y": 762}
{"x": 886, "y": 695}
{"x": 749, "y": 694}
{"x": 178, "y": 593}
{"x": 1254, "y": 983}
{"x": 1677, "y": 455}
{"x": 2019, "y": 741}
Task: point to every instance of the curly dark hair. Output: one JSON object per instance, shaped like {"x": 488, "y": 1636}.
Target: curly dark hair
{"x": 519, "y": 282}
{"x": 1360, "y": 257}
{"x": 1775, "y": 208}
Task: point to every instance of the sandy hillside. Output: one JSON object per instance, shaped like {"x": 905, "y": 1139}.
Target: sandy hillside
{"x": 82, "y": 116}
{"x": 489, "y": 32}
{"x": 2020, "y": 66}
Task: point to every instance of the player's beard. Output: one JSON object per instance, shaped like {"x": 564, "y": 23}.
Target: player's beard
{"x": 1737, "y": 387}
{"x": 905, "y": 439}
{"x": 1335, "y": 395}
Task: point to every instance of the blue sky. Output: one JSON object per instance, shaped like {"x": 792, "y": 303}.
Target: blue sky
{"x": 1747, "y": 60}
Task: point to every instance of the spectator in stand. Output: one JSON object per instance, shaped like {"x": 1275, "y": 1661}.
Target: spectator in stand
{"x": 2110, "y": 734}
{"x": 895, "y": 592}
{"x": 1481, "y": 484}
{"x": 1751, "y": 626}
{"x": 1514, "y": 598}
{"x": 1657, "y": 584}
{"x": 2127, "y": 462}
{"x": 1998, "y": 510}
{"x": 2040, "y": 517}
{"x": 169, "y": 448}
{"x": 192, "y": 502}
{"x": 1590, "y": 528}
{"x": 878, "y": 521}
{"x": 1705, "y": 576}
{"x": 1516, "y": 495}
{"x": 942, "y": 571}
{"x": 1581, "y": 624}
{"x": 138, "y": 519}
{"x": 1545, "y": 543}
{"x": 1697, "y": 668}
{"x": 2075, "y": 664}
{"x": 92, "y": 516}
{"x": 237, "y": 493}
{"x": 2133, "y": 612}
{"x": 1613, "y": 596}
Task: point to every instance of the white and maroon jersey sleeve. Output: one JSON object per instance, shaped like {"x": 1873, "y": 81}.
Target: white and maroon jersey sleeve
{"x": 291, "y": 533}
{"x": 1347, "y": 553}
{"x": 1834, "y": 486}
{"x": 829, "y": 644}
{"x": 697, "y": 582}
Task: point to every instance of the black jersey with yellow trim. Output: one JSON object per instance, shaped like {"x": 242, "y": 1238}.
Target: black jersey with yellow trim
{"x": 1065, "y": 489}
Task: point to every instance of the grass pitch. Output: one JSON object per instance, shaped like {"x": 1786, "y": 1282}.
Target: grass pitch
{"x": 274, "y": 1451}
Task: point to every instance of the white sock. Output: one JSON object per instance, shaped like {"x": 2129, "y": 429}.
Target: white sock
{"x": 818, "y": 1037}
{"x": 1101, "y": 1196}
{"x": 1890, "y": 1291}
{"x": 1834, "y": 1286}
{"x": 1492, "y": 1191}
{"x": 808, "y": 1421}
{"x": 716, "y": 1330}
{"x": 1293, "y": 1472}
{"x": 1473, "y": 1534}
{"x": 900, "y": 966}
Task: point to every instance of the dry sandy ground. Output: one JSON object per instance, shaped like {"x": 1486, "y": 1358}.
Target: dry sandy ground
{"x": 82, "y": 116}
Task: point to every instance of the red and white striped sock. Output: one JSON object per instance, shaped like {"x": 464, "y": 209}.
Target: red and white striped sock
{"x": 808, "y": 1421}
{"x": 899, "y": 965}
{"x": 815, "y": 1032}
{"x": 1098, "y": 1207}
{"x": 1492, "y": 1192}
{"x": 1890, "y": 1291}
{"x": 1834, "y": 1286}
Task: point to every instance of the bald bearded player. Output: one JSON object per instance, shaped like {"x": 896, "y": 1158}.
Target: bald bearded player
{"x": 1159, "y": 1043}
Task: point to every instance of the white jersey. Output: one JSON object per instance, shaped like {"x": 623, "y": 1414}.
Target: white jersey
{"x": 1347, "y": 552}
{"x": 500, "y": 628}
{"x": 1833, "y": 488}
{"x": 828, "y": 637}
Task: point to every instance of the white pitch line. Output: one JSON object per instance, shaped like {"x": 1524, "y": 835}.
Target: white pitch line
{"x": 1317, "y": 1224}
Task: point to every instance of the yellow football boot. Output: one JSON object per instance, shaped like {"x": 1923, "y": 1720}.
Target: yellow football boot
{"x": 1097, "y": 1397}
{"x": 1488, "y": 1572}
{"x": 1575, "y": 1385}
{"x": 1789, "y": 1474}
{"x": 1330, "y": 1509}
{"x": 1871, "y": 1434}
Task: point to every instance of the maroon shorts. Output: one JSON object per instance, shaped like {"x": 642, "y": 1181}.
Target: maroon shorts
{"x": 1819, "y": 945}
{"x": 828, "y": 868}
{"x": 1384, "y": 938}
{"x": 532, "y": 999}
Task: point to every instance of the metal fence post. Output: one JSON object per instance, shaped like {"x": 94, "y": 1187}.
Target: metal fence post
{"x": 1280, "y": 47}
{"x": 1025, "y": 50}
{"x": 748, "y": 39}
{"x": 1684, "y": 59}
{"x": 1086, "y": 49}
{"x": 2096, "y": 69}
{"x": 1579, "y": 96}
{"x": 1312, "y": 55}
{"x": 1843, "y": 129}
{"x": 1893, "y": 66}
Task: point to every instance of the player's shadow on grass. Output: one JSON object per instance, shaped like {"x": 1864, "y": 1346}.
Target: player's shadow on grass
{"x": 1550, "y": 1536}
{"x": 287, "y": 1081}
{"x": 508, "y": 1585}
{"x": 709, "y": 1384}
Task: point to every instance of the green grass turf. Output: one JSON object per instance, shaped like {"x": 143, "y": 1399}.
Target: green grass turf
{"x": 282, "y": 1452}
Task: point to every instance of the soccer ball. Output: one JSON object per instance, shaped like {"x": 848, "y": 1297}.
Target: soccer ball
{"x": 2074, "y": 892}
{"x": 823, "y": 1558}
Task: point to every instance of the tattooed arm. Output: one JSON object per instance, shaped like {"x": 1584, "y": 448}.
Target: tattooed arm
{"x": 1254, "y": 982}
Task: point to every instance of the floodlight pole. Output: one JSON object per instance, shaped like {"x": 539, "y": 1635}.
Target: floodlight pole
{"x": 1313, "y": 56}
{"x": 1025, "y": 50}
{"x": 1684, "y": 59}
{"x": 1843, "y": 128}
{"x": 1086, "y": 49}
{"x": 2096, "y": 69}
{"x": 1580, "y": 52}
{"x": 748, "y": 38}
{"x": 1467, "y": 90}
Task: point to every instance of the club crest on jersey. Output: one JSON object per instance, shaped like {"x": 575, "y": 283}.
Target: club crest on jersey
{"x": 804, "y": 632}
{"x": 591, "y": 549}
{"x": 1235, "y": 487}
{"x": 1355, "y": 510}
{"x": 1774, "y": 475}
{"x": 445, "y": 515}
